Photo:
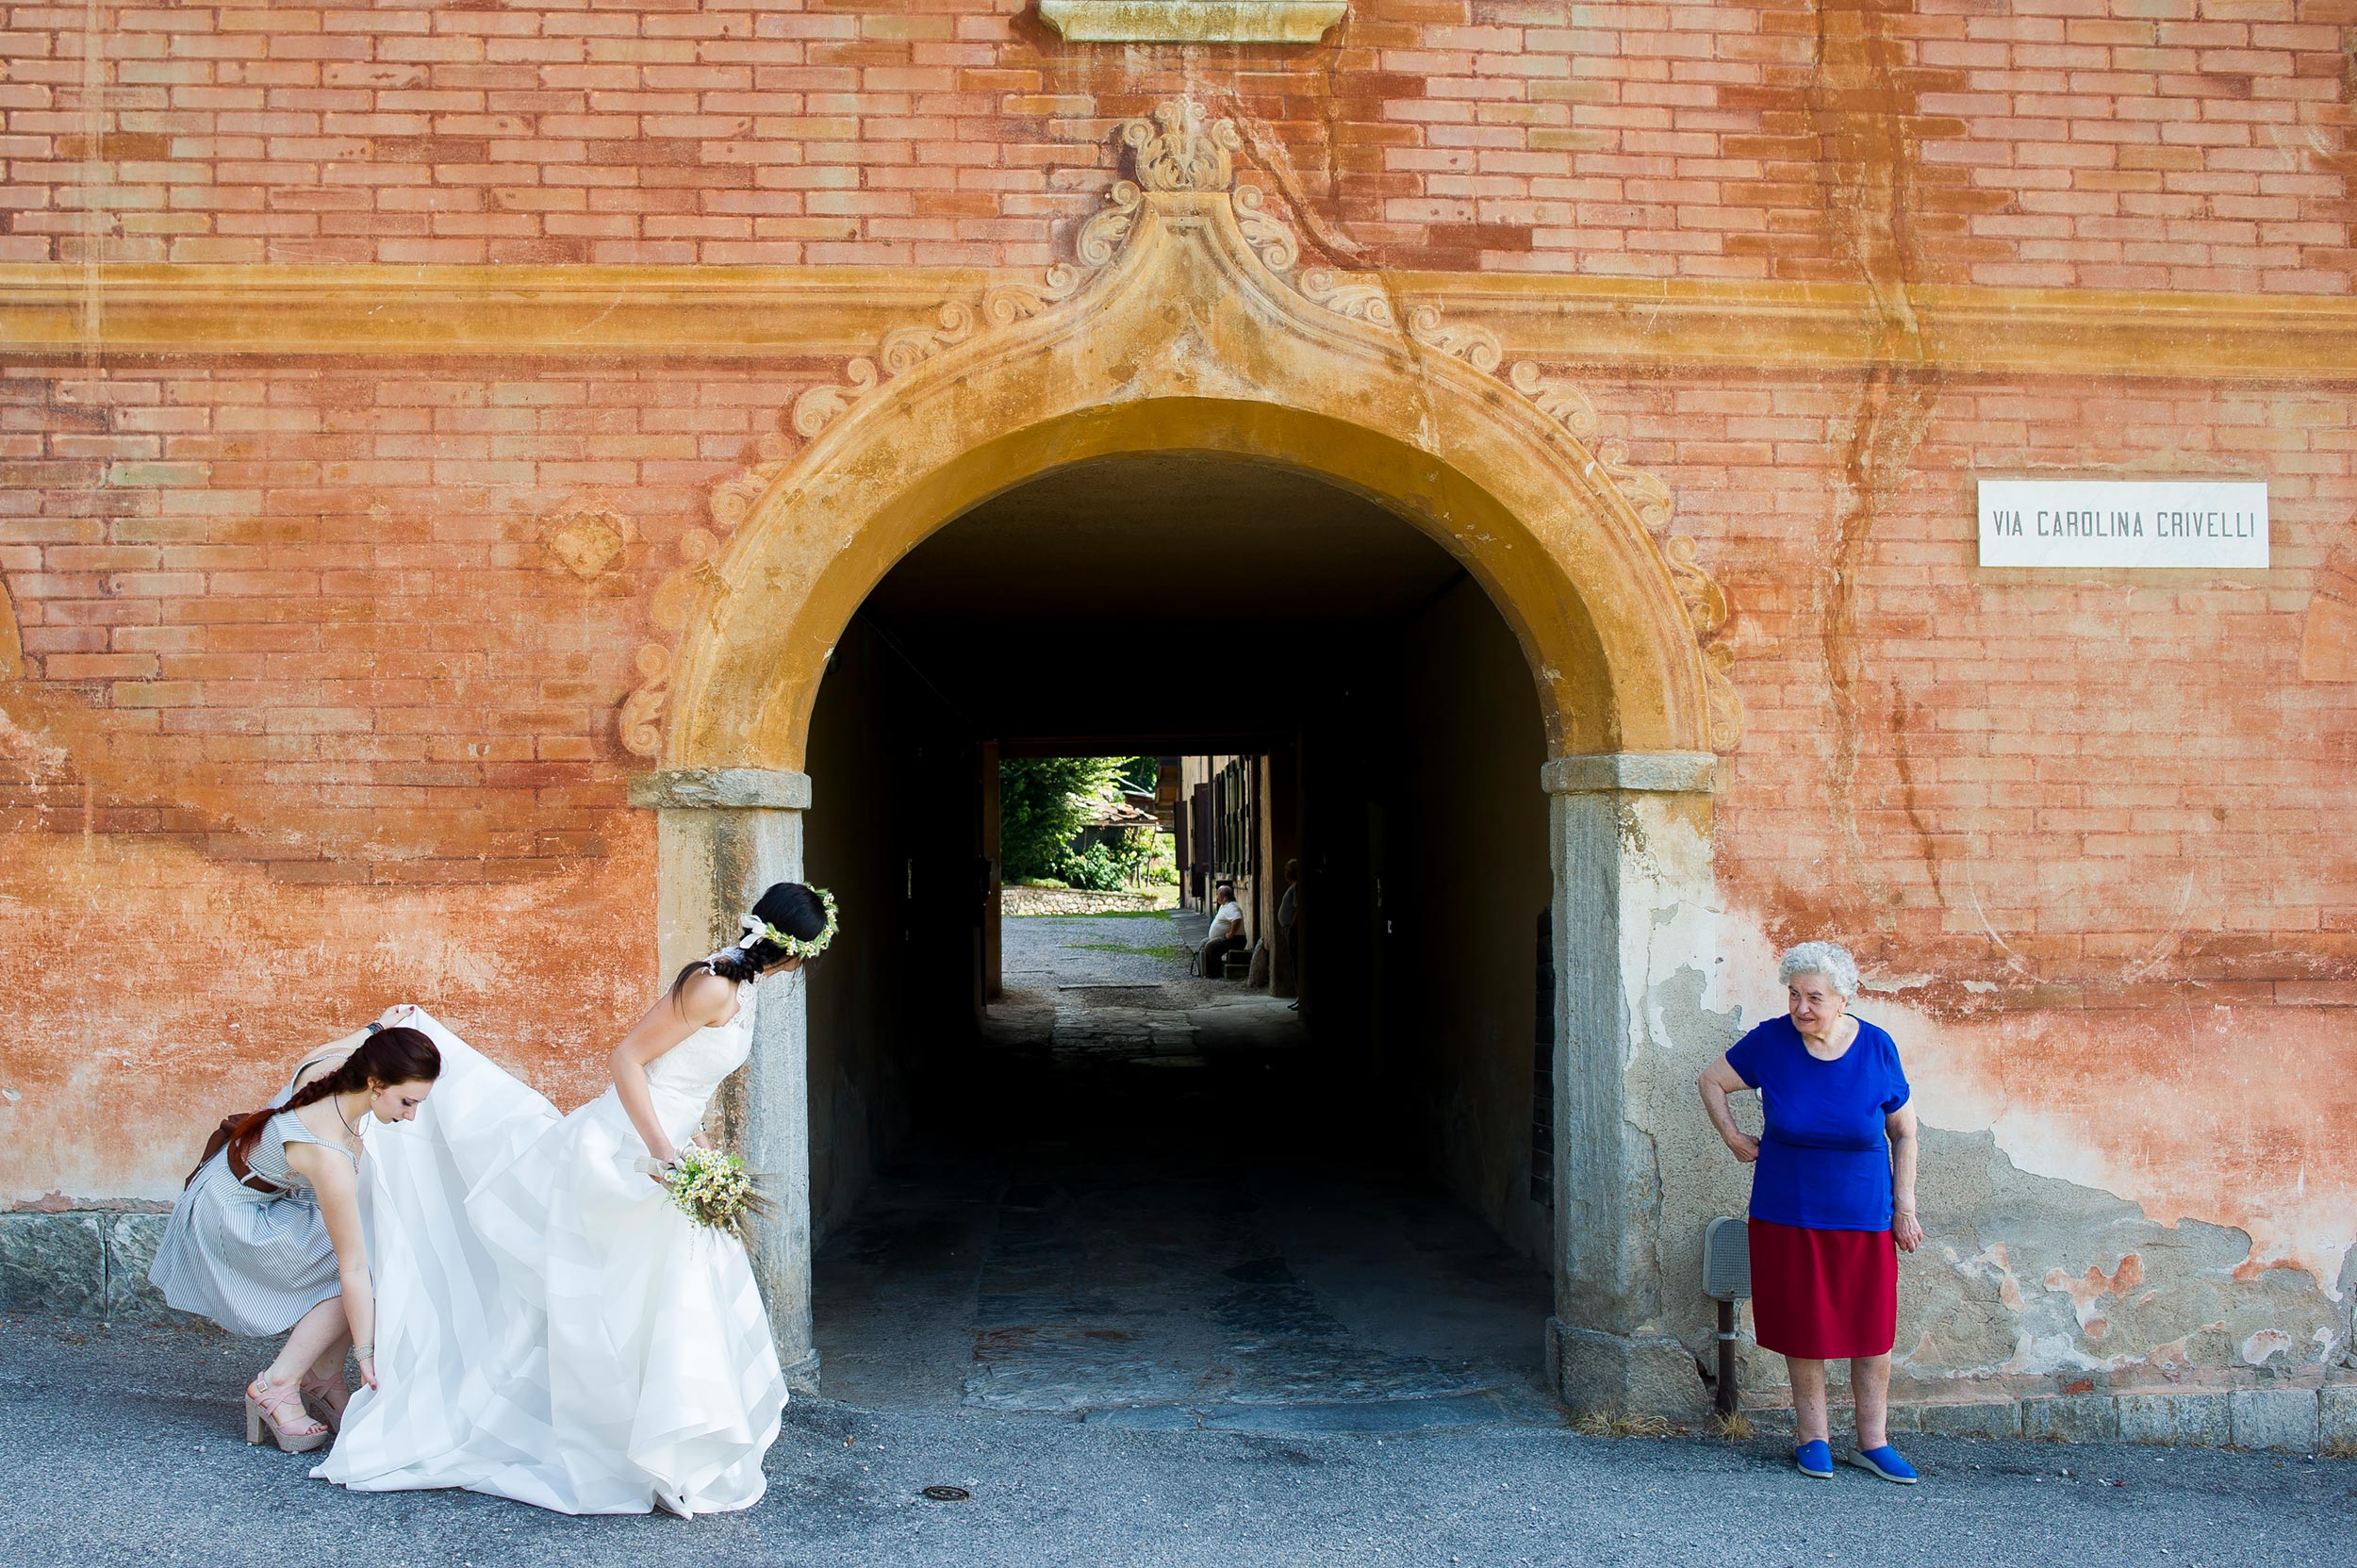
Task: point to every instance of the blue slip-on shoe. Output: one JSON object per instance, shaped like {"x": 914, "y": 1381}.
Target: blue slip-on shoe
{"x": 1814, "y": 1459}
{"x": 1884, "y": 1461}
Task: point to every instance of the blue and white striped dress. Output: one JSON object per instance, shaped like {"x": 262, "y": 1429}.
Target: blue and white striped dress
{"x": 253, "y": 1261}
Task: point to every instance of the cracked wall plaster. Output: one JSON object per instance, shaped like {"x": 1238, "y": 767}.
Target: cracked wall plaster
{"x": 2049, "y": 1259}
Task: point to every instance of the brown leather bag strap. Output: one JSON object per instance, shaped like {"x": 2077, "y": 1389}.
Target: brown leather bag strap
{"x": 219, "y": 1140}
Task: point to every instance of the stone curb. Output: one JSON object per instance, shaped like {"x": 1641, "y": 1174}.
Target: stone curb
{"x": 2282, "y": 1420}
{"x": 83, "y": 1263}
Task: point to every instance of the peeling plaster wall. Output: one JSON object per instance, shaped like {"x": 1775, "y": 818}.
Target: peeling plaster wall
{"x": 152, "y": 991}
{"x": 2030, "y": 1282}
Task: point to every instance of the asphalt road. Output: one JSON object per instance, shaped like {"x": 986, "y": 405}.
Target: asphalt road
{"x": 123, "y": 1447}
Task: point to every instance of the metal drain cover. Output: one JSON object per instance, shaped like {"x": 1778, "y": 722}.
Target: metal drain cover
{"x": 948, "y": 1493}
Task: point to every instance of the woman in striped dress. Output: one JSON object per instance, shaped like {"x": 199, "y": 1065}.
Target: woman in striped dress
{"x": 267, "y": 1235}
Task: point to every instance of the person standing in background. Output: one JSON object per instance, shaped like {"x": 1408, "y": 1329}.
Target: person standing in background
{"x": 1289, "y": 928}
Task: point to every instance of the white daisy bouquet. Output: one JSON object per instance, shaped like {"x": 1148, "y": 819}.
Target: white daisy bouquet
{"x": 715, "y": 1190}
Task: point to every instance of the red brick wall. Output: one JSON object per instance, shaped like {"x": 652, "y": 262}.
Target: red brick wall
{"x": 310, "y": 617}
{"x": 2119, "y": 143}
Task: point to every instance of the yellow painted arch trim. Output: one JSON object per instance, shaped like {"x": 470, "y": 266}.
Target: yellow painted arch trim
{"x": 1188, "y": 341}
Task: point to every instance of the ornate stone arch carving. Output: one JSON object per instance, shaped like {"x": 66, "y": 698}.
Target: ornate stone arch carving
{"x": 1185, "y": 321}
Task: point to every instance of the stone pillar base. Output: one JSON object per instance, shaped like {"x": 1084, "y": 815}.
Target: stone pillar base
{"x": 801, "y": 1374}
{"x": 1625, "y": 1374}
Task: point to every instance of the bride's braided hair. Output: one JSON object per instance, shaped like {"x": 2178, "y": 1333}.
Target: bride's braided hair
{"x": 388, "y": 1057}
{"x": 791, "y": 908}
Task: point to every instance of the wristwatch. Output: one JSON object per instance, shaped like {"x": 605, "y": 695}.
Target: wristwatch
{"x": 374, "y": 1026}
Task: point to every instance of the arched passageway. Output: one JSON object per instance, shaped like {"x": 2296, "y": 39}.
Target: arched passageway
{"x": 1234, "y": 1205}
{"x": 1189, "y": 328}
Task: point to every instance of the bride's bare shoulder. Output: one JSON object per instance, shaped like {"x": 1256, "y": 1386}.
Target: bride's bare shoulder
{"x": 707, "y": 998}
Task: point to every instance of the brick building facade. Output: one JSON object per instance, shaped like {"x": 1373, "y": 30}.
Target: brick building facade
{"x": 398, "y": 404}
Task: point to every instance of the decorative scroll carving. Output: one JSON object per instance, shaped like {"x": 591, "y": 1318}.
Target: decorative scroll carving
{"x": 1180, "y": 152}
{"x": 1102, "y": 235}
{"x": 1270, "y": 239}
{"x": 641, "y": 736}
{"x": 1655, "y": 506}
{"x": 1363, "y": 297}
{"x": 730, "y": 503}
{"x": 1476, "y": 346}
{"x": 907, "y": 346}
{"x": 1560, "y": 400}
{"x": 1357, "y": 295}
{"x": 1008, "y": 303}
{"x": 820, "y": 405}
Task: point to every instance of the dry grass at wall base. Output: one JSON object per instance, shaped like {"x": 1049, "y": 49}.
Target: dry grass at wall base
{"x": 1732, "y": 1427}
{"x": 1615, "y": 1424}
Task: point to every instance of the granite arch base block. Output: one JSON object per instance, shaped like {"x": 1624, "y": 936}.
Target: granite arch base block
{"x": 1632, "y": 1374}
{"x": 2072, "y": 1418}
{"x": 2281, "y": 1419}
{"x": 2166, "y": 1420}
{"x": 53, "y": 1264}
{"x": 2336, "y": 1417}
{"x": 131, "y": 1241}
{"x": 84, "y": 1263}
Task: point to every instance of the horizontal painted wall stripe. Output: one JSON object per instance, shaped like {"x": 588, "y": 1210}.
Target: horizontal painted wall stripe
{"x": 770, "y": 314}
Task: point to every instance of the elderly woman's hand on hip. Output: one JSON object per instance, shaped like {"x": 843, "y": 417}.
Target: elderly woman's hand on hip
{"x": 1717, "y": 1082}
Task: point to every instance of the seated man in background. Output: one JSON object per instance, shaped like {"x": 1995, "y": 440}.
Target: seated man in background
{"x": 1226, "y": 934}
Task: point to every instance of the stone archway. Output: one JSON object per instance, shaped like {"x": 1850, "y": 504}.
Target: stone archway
{"x": 1188, "y": 323}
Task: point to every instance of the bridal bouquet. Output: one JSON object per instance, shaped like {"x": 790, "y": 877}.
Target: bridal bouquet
{"x": 716, "y": 1190}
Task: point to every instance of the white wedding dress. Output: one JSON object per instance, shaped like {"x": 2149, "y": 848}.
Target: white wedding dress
{"x": 549, "y": 1328}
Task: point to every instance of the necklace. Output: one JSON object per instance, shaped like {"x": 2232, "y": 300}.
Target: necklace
{"x": 346, "y": 1120}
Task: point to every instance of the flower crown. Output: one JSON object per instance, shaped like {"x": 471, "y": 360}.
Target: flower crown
{"x": 759, "y": 929}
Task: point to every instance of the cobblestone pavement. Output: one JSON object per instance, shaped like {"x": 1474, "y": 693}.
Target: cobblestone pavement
{"x": 123, "y": 1447}
{"x": 1117, "y": 987}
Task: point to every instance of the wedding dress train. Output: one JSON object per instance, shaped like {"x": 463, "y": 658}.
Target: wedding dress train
{"x": 549, "y": 1328}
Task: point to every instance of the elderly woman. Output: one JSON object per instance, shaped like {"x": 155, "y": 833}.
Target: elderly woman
{"x": 1834, "y": 1192}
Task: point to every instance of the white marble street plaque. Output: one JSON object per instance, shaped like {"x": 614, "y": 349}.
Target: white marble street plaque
{"x": 2123, "y": 522}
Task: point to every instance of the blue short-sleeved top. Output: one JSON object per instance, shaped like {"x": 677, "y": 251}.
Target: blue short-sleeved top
{"x": 1824, "y": 1162}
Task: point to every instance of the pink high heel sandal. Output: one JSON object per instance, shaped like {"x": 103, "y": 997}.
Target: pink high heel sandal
{"x": 328, "y": 1397}
{"x": 262, "y": 1405}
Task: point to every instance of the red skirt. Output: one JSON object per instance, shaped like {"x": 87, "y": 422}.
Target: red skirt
{"x": 1823, "y": 1294}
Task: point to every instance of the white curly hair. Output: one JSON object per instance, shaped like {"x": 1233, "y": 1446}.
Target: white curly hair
{"x": 1829, "y": 959}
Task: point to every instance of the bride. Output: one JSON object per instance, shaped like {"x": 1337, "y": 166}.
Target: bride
{"x": 549, "y": 1328}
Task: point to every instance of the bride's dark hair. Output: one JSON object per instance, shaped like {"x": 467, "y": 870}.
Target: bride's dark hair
{"x": 388, "y": 1057}
{"x": 789, "y": 906}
